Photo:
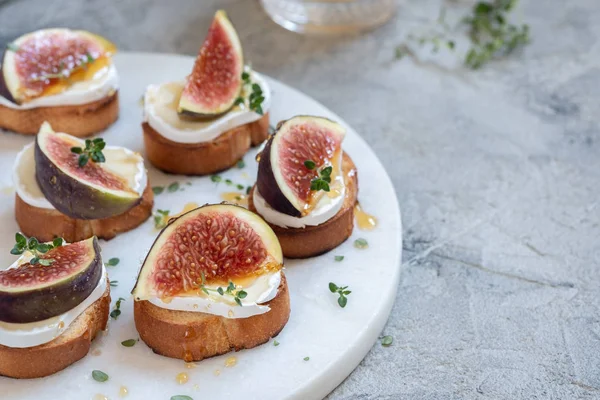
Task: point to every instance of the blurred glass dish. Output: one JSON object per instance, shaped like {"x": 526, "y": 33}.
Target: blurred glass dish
{"x": 329, "y": 16}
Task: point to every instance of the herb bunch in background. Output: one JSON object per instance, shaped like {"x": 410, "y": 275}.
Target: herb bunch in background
{"x": 488, "y": 28}
{"x": 92, "y": 151}
{"x": 490, "y": 33}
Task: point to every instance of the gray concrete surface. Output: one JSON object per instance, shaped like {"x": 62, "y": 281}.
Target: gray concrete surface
{"x": 497, "y": 173}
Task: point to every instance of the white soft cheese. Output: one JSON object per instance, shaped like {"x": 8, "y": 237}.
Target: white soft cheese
{"x": 261, "y": 290}
{"x": 120, "y": 160}
{"x": 104, "y": 83}
{"x": 40, "y": 332}
{"x": 160, "y": 112}
{"x": 327, "y": 206}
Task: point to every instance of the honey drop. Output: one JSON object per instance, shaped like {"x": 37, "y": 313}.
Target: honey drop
{"x": 230, "y": 362}
{"x": 123, "y": 391}
{"x": 182, "y": 378}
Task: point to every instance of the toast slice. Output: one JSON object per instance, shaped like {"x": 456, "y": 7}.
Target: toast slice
{"x": 312, "y": 241}
{"x": 46, "y": 224}
{"x": 207, "y": 157}
{"x": 194, "y": 336}
{"x": 79, "y": 120}
{"x": 49, "y": 358}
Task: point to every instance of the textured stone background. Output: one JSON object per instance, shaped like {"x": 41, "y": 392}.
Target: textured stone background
{"x": 497, "y": 174}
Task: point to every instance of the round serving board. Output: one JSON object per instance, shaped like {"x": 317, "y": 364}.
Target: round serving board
{"x": 334, "y": 339}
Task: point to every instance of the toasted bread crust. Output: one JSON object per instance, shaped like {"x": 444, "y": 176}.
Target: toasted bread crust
{"x": 312, "y": 241}
{"x": 194, "y": 336}
{"x": 79, "y": 120}
{"x": 207, "y": 157}
{"x": 51, "y": 357}
{"x": 46, "y": 224}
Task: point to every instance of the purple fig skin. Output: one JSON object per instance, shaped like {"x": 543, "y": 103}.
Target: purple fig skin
{"x": 39, "y": 304}
{"x": 73, "y": 198}
{"x": 267, "y": 185}
{"x": 3, "y": 89}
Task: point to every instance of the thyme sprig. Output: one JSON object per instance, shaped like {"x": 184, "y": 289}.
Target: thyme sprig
{"x": 35, "y": 247}
{"x": 322, "y": 182}
{"x": 92, "y": 151}
{"x": 342, "y": 291}
{"x": 256, "y": 97}
{"x": 230, "y": 290}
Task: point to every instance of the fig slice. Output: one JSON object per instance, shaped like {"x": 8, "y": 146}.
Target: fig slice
{"x": 219, "y": 243}
{"x": 216, "y": 79}
{"x": 94, "y": 191}
{"x": 48, "y": 61}
{"x": 35, "y": 292}
{"x": 284, "y": 181}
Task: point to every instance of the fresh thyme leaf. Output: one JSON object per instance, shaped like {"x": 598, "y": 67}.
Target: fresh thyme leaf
{"x": 161, "y": 218}
{"x": 57, "y": 242}
{"x": 240, "y": 187}
{"x": 46, "y": 261}
{"x": 220, "y": 290}
{"x": 275, "y": 343}
{"x": 339, "y": 258}
{"x": 12, "y": 47}
{"x": 112, "y": 262}
{"x": 248, "y": 189}
{"x": 246, "y": 77}
{"x": 386, "y": 341}
{"x": 306, "y": 358}
{"x": 129, "y": 342}
{"x": 114, "y": 314}
{"x": 228, "y": 181}
{"x": 181, "y": 397}
{"x": 241, "y": 164}
{"x": 93, "y": 150}
{"x": 238, "y": 101}
{"x": 341, "y": 291}
{"x": 34, "y": 247}
{"x": 216, "y": 178}
{"x": 99, "y": 376}
{"x": 34, "y": 261}
{"x": 361, "y": 243}
{"x": 173, "y": 187}
{"x": 158, "y": 189}
{"x": 113, "y": 283}
{"x": 309, "y": 164}
{"x": 324, "y": 179}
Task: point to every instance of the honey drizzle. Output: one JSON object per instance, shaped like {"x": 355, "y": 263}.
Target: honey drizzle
{"x": 182, "y": 378}
{"x": 365, "y": 221}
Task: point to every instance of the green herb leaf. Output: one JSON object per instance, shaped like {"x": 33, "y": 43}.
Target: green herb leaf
{"x": 112, "y": 262}
{"x": 12, "y": 47}
{"x": 57, "y": 242}
{"x": 240, "y": 187}
{"x": 216, "y": 178}
{"x": 114, "y": 314}
{"x": 34, "y": 261}
{"x": 361, "y": 243}
{"x": 386, "y": 341}
{"x": 113, "y": 283}
{"x": 46, "y": 261}
{"x": 129, "y": 342}
{"x": 99, "y": 376}
{"x": 342, "y": 293}
{"x": 310, "y": 164}
{"x": 242, "y": 294}
{"x": 158, "y": 189}
{"x": 93, "y": 150}
{"x": 339, "y": 258}
{"x": 241, "y": 164}
{"x": 220, "y": 290}
{"x": 238, "y": 101}
{"x": 20, "y": 239}
{"x": 306, "y": 358}
{"x": 248, "y": 189}
{"x": 173, "y": 187}
{"x": 181, "y": 397}
{"x": 275, "y": 343}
